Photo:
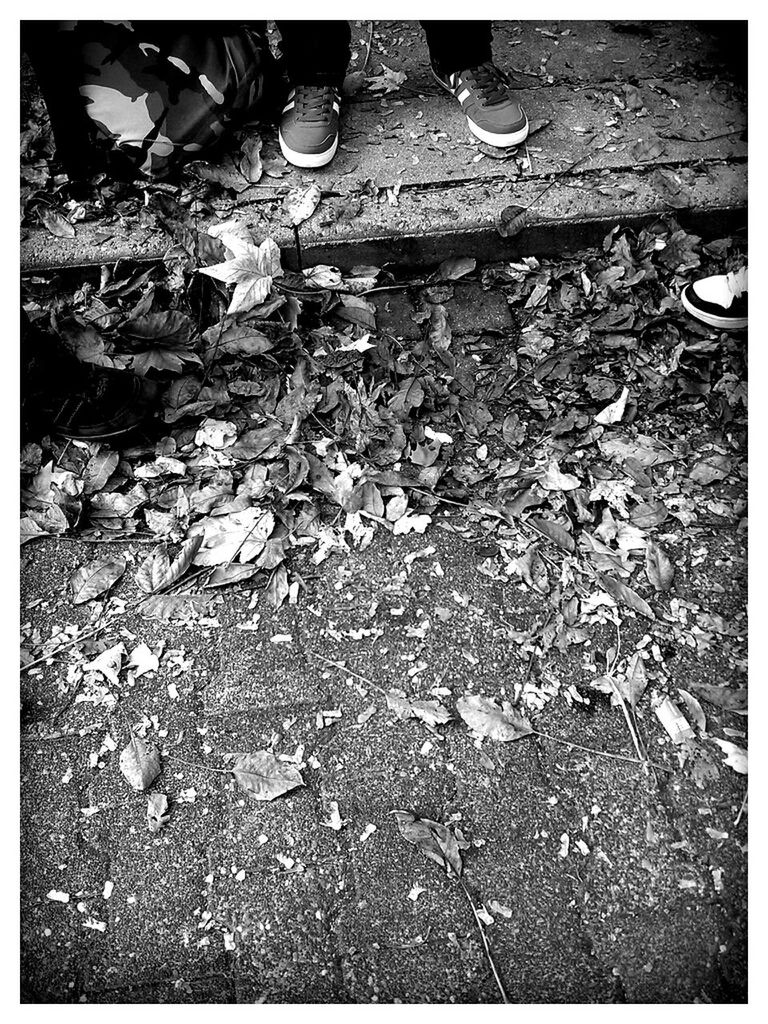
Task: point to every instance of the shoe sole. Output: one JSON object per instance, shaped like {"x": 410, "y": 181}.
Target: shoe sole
{"x": 307, "y": 160}
{"x": 724, "y": 323}
{"x": 499, "y": 141}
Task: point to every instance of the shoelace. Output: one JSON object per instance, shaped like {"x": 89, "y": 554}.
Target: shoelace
{"x": 489, "y": 82}
{"x": 314, "y": 102}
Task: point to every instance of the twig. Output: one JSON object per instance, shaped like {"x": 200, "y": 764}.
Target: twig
{"x": 486, "y": 946}
{"x": 741, "y": 809}
{"x": 351, "y": 672}
{"x": 368, "y": 44}
{"x": 298, "y": 248}
{"x": 193, "y": 764}
{"x": 77, "y": 640}
{"x": 600, "y": 753}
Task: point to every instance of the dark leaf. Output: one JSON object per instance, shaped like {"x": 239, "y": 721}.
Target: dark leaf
{"x": 436, "y": 841}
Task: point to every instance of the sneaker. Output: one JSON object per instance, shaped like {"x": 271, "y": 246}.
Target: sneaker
{"x": 309, "y": 129}
{"x": 718, "y": 301}
{"x": 104, "y": 403}
{"x": 493, "y": 113}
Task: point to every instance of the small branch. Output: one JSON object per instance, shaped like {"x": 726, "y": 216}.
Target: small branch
{"x": 193, "y": 764}
{"x": 741, "y": 809}
{"x": 298, "y": 248}
{"x": 601, "y": 753}
{"x": 349, "y": 671}
{"x": 486, "y": 946}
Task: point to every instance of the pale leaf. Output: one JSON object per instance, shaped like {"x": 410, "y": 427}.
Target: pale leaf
{"x": 139, "y": 763}
{"x": 486, "y": 718}
{"x": 301, "y": 203}
{"x": 262, "y": 776}
{"x": 431, "y": 712}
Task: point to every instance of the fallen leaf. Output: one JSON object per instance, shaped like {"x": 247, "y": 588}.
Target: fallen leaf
{"x": 735, "y": 757}
{"x": 157, "y": 811}
{"x": 262, "y": 776}
{"x": 722, "y": 696}
{"x": 556, "y": 532}
{"x": 301, "y": 203}
{"x": 108, "y": 663}
{"x": 251, "y": 269}
{"x": 56, "y": 222}
{"x": 95, "y": 578}
{"x": 623, "y": 594}
{"x": 139, "y": 763}
{"x": 454, "y": 268}
{"x": 658, "y": 566}
{"x": 388, "y": 81}
{"x": 486, "y": 718}
{"x": 223, "y": 575}
{"x": 240, "y": 535}
{"x": 553, "y": 480}
{"x": 436, "y": 841}
{"x": 431, "y": 712}
{"x": 614, "y": 412}
{"x": 157, "y": 572}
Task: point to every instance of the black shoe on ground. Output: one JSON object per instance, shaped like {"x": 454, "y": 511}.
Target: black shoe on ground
{"x": 493, "y": 113}
{"x": 62, "y": 396}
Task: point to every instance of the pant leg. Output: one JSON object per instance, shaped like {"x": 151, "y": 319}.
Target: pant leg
{"x": 56, "y": 70}
{"x": 158, "y": 94}
{"x": 315, "y": 52}
{"x": 458, "y": 45}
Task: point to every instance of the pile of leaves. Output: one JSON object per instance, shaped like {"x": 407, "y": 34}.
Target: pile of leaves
{"x": 293, "y": 428}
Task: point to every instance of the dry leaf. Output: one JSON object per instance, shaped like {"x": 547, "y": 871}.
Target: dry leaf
{"x": 658, "y": 567}
{"x": 614, "y": 412}
{"x": 301, "y": 203}
{"x": 95, "y": 578}
{"x": 139, "y": 763}
{"x": 486, "y": 718}
{"x": 436, "y": 841}
{"x": 158, "y": 572}
{"x": 623, "y": 594}
{"x": 431, "y": 712}
{"x": 262, "y": 776}
{"x": 735, "y": 757}
{"x": 157, "y": 811}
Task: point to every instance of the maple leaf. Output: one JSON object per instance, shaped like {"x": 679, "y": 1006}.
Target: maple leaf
{"x": 251, "y": 269}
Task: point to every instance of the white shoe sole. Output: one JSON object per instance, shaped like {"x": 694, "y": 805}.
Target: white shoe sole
{"x": 724, "y": 323}
{"x": 499, "y": 141}
{"x": 307, "y": 159}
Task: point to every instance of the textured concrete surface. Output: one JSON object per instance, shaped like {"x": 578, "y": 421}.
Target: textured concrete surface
{"x": 651, "y": 106}
{"x": 637, "y": 918}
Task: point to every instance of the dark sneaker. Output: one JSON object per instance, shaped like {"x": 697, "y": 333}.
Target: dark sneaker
{"x": 309, "y": 129}
{"x": 490, "y": 106}
{"x": 719, "y": 301}
{"x": 103, "y": 404}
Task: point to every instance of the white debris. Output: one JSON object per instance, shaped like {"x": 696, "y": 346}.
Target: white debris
{"x": 369, "y": 830}
{"x": 58, "y": 896}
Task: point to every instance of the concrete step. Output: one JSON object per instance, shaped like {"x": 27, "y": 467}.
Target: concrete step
{"x": 656, "y": 121}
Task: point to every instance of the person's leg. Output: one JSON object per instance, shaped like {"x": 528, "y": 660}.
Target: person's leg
{"x": 315, "y": 52}
{"x": 462, "y": 62}
{"x": 316, "y": 56}
{"x": 155, "y": 94}
{"x": 456, "y": 45}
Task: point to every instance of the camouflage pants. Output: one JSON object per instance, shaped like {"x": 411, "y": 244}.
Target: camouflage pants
{"x": 154, "y": 94}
